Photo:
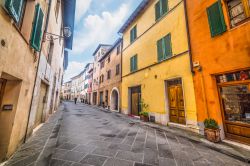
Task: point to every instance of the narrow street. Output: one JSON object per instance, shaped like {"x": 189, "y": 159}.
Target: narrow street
{"x": 89, "y": 136}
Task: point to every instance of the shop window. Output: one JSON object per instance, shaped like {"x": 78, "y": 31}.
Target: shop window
{"x": 235, "y": 76}
{"x": 161, "y": 8}
{"x": 164, "y": 48}
{"x": 236, "y": 103}
{"x": 216, "y": 19}
{"x": 133, "y": 63}
{"x": 238, "y": 10}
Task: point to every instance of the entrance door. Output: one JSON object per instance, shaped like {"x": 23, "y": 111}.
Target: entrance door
{"x": 94, "y": 98}
{"x": 236, "y": 112}
{"x": 135, "y": 100}
{"x": 39, "y": 113}
{"x": 176, "y": 101}
{"x": 101, "y": 98}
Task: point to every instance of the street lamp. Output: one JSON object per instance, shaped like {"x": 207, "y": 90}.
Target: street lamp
{"x": 67, "y": 33}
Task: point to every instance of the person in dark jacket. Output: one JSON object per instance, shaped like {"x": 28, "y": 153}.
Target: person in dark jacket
{"x": 75, "y": 100}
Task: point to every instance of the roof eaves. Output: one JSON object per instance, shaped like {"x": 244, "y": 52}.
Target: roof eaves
{"x": 99, "y": 46}
{"x": 134, "y": 15}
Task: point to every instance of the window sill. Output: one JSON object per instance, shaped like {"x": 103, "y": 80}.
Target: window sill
{"x": 239, "y": 24}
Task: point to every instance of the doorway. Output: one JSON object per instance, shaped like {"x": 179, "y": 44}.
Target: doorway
{"x": 135, "y": 100}
{"x": 114, "y": 100}
{"x": 41, "y": 103}
{"x": 94, "y": 98}
{"x": 176, "y": 101}
{"x": 101, "y": 99}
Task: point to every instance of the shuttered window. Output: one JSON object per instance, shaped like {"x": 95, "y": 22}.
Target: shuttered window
{"x": 14, "y": 7}
{"x": 133, "y": 34}
{"x": 133, "y": 63}
{"x": 161, "y": 7}
{"x": 164, "y": 48}
{"x": 216, "y": 19}
{"x": 36, "y": 35}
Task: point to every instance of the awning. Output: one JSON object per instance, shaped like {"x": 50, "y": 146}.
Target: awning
{"x": 69, "y": 7}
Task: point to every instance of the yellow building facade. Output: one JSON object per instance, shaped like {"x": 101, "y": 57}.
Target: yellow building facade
{"x": 156, "y": 64}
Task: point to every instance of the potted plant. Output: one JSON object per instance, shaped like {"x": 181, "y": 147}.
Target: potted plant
{"x": 144, "y": 115}
{"x": 212, "y": 131}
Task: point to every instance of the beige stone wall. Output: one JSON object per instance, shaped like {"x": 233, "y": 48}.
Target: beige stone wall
{"x": 18, "y": 64}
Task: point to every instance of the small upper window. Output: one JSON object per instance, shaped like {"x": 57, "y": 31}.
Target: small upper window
{"x": 57, "y": 7}
{"x": 133, "y": 34}
{"x": 239, "y": 10}
{"x": 118, "y": 49}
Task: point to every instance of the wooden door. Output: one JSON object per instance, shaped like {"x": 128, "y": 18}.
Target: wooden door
{"x": 39, "y": 113}
{"x": 176, "y": 103}
{"x": 135, "y": 100}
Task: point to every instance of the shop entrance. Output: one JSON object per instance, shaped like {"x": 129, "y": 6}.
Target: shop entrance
{"x": 176, "y": 101}
{"x": 234, "y": 92}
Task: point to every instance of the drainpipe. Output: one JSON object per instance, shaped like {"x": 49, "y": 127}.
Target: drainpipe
{"x": 40, "y": 53}
{"x": 188, "y": 36}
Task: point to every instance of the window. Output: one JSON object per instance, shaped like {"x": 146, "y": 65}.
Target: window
{"x": 109, "y": 74}
{"x": 36, "y": 35}
{"x": 108, "y": 59}
{"x": 117, "y": 69}
{"x": 133, "y": 34}
{"x": 118, "y": 50}
{"x": 102, "y": 64}
{"x": 2, "y": 87}
{"x": 16, "y": 10}
{"x": 164, "y": 48}
{"x": 101, "y": 78}
{"x": 216, "y": 19}
{"x": 133, "y": 63}
{"x": 239, "y": 10}
{"x": 161, "y": 7}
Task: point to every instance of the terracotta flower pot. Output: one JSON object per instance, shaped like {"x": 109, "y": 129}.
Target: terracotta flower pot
{"x": 212, "y": 135}
{"x": 144, "y": 118}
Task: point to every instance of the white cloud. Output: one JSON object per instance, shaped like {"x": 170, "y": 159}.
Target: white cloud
{"x": 99, "y": 29}
{"x": 82, "y": 7}
{"x": 74, "y": 68}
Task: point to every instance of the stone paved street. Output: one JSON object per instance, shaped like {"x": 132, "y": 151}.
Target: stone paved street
{"x": 89, "y": 136}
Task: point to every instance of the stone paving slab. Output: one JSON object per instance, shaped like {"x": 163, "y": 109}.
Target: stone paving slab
{"x": 92, "y": 137}
{"x": 39, "y": 147}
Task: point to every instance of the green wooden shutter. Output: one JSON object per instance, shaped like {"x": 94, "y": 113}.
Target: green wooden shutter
{"x": 159, "y": 50}
{"x": 131, "y": 35}
{"x": 135, "y": 32}
{"x": 157, "y": 11}
{"x": 216, "y": 19}
{"x": 168, "y": 46}
{"x": 164, "y": 6}
{"x": 14, "y": 7}
{"x": 135, "y": 62}
{"x": 131, "y": 64}
{"x": 36, "y": 34}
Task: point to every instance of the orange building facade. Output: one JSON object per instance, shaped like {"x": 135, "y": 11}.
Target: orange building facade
{"x": 220, "y": 46}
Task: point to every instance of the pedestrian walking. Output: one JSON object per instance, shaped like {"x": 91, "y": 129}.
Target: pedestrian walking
{"x": 75, "y": 100}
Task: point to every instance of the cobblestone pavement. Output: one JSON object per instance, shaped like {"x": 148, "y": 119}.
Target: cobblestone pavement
{"x": 89, "y": 136}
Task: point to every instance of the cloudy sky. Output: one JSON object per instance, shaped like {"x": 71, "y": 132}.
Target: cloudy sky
{"x": 97, "y": 21}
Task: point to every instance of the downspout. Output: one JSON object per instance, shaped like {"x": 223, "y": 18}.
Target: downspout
{"x": 191, "y": 58}
{"x": 40, "y": 53}
{"x": 188, "y": 37}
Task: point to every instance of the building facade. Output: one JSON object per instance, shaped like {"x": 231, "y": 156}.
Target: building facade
{"x": 98, "y": 54}
{"x": 67, "y": 91}
{"x": 110, "y": 77}
{"x": 220, "y": 43}
{"x": 156, "y": 67}
{"x": 88, "y": 82}
{"x": 18, "y": 62}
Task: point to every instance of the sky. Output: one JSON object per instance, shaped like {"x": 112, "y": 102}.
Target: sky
{"x": 96, "y": 21}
